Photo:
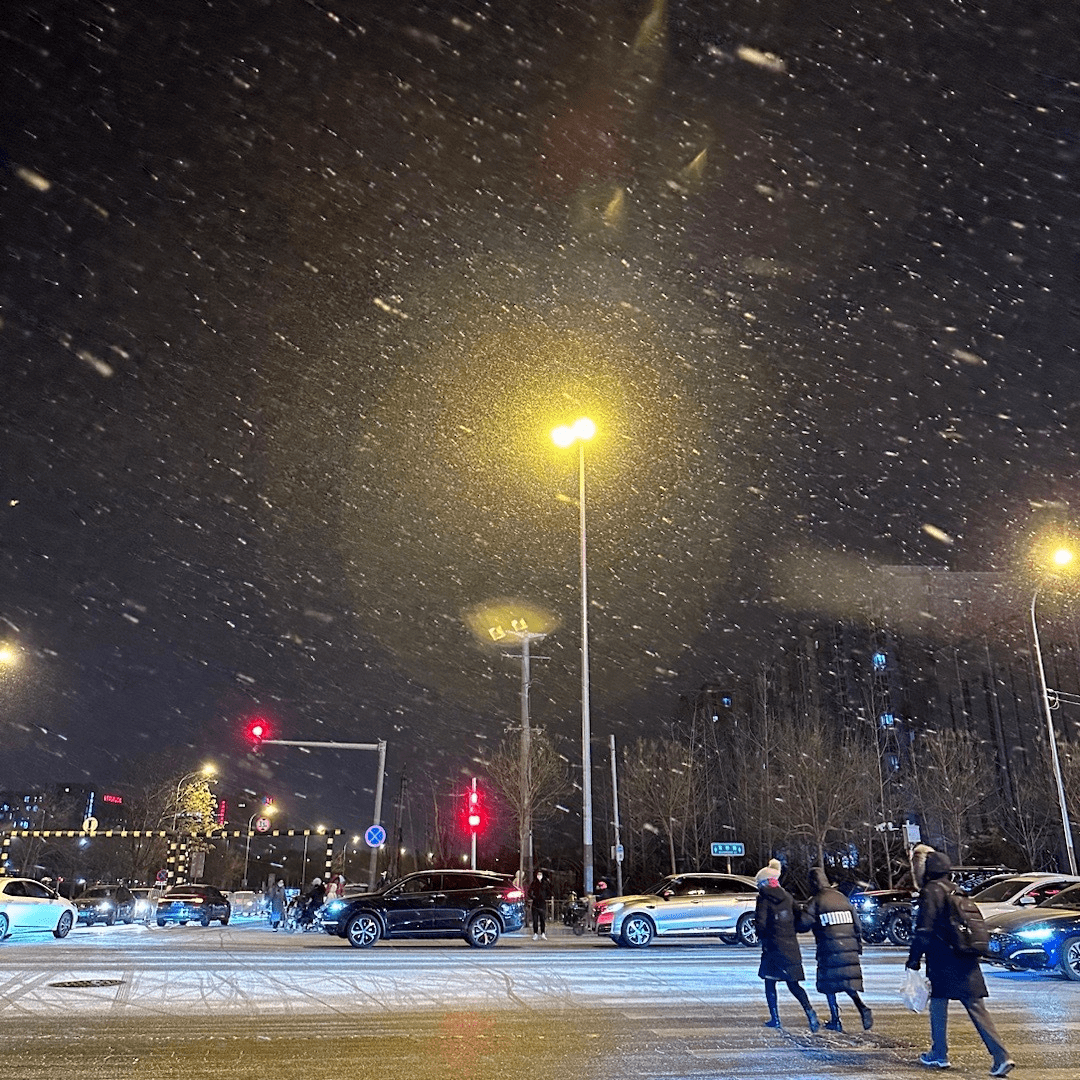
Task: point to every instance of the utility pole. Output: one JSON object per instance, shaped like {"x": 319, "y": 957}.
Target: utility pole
{"x": 618, "y": 833}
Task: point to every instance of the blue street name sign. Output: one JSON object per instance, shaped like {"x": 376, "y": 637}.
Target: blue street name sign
{"x": 375, "y": 836}
{"x": 728, "y": 849}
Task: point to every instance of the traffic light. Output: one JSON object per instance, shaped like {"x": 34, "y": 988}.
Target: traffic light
{"x": 474, "y": 817}
{"x": 256, "y": 731}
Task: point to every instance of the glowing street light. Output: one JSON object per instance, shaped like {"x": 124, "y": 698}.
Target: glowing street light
{"x": 580, "y": 432}
{"x": 1062, "y": 557}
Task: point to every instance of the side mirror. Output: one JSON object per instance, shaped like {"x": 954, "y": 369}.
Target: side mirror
{"x": 1027, "y": 901}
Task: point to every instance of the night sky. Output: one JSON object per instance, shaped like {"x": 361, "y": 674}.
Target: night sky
{"x": 294, "y": 292}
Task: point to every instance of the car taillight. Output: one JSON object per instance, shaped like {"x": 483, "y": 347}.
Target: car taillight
{"x": 514, "y": 894}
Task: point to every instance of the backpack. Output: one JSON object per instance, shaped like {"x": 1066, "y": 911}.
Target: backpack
{"x": 965, "y": 928}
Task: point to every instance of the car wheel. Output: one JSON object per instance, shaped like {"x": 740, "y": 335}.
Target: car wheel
{"x": 128, "y": 922}
{"x": 637, "y": 931}
{"x": 109, "y": 920}
{"x": 224, "y": 920}
{"x": 89, "y": 920}
{"x": 1070, "y": 958}
{"x": 63, "y": 927}
{"x": 204, "y": 919}
{"x": 483, "y": 931}
{"x": 746, "y": 929}
{"x": 899, "y": 928}
{"x": 362, "y": 930}
{"x": 161, "y": 922}
{"x": 183, "y": 922}
{"x": 4, "y": 927}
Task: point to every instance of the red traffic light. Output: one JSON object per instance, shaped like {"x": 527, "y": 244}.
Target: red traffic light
{"x": 473, "y": 815}
{"x": 256, "y": 731}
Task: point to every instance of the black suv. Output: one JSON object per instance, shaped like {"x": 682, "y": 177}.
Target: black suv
{"x": 473, "y": 904}
{"x": 106, "y": 904}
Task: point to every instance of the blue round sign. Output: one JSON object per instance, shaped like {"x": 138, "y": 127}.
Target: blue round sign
{"x": 375, "y": 836}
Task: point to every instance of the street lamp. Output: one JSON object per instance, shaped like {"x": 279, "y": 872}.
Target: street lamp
{"x": 1061, "y": 557}
{"x": 580, "y": 432}
{"x": 521, "y": 633}
{"x": 262, "y": 811}
{"x": 206, "y": 772}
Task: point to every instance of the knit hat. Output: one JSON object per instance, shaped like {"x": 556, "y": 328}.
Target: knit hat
{"x": 771, "y": 872}
{"x": 937, "y": 865}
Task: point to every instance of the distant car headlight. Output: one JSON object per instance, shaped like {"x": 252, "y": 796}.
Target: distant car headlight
{"x": 1035, "y": 933}
{"x": 103, "y": 905}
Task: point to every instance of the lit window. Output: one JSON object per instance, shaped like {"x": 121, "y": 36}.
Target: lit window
{"x": 879, "y": 661}
{"x": 886, "y": 719}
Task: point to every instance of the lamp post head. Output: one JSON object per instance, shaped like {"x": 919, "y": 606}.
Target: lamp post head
{"x": 581, "y": 430}
{"x": 1062, "y": 556}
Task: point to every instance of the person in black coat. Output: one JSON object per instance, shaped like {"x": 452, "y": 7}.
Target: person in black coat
{"x": 781, "y": 960}
{"x": 838, "y": 937}
{"x": 953, "y": 976}
{"x": 538, "y": 898}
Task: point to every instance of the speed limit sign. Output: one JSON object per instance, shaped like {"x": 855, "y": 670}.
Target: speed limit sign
{"x": 262, "y": 824}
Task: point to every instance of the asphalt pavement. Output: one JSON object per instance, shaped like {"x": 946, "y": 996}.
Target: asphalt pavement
{"x": 241, "y": 1002}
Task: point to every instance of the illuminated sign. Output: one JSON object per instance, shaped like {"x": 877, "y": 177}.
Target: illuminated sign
{"x": 118, "y": 799}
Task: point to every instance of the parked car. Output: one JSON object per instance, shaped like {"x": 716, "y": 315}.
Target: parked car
{"x": 193, "y": 903}
{"x": 106, "y": 904}
{"x": 473, "y": 904}
{"x": 27, "y": 905}
{"x": 1045, "y": 937}
{"x": 244, "y": 902}
{"x": 683, "y": 905}
{"x": 970, "y": 879}
{"x": 885, "y": 914}
{"x": 1001, "y": 895}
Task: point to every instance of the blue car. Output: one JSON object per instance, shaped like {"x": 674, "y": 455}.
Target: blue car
{"x": 1045, "y": 937}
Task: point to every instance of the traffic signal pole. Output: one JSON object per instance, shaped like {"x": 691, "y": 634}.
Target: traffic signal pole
{"x": 380, "y": 746}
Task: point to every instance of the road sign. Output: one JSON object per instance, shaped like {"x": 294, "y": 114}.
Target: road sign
{"x": 90, "y": 824}
{"x": 163, "y": 875}
{"x": 262, "y": 824}
{"x": 620, "y": 852}
{"x": 375, "y": 836}
{"x": 728, "y": 849}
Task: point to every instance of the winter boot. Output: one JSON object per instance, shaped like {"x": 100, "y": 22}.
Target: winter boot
{"x": 770, "y": 1000}
{"x": 811, "y": 1018}
{"x": 867, "y": 1018}
{"x": 774, "y": 1018}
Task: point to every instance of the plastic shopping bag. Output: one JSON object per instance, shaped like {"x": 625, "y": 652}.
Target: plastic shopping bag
{"x": 914, "y": 990}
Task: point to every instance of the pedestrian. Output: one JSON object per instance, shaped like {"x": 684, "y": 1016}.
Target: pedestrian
{"x": 538, "y": 895}
{"x": 953, "y": 976}
{"x": 781, "y": 959}
{"x": 277, "y": 905}
{"x": 838, "y": 940}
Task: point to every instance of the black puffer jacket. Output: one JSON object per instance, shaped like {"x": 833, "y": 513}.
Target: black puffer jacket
{"x": 951, "y": 976}
{"x": 775, "y": 917}
{"x": 837, "y": 934}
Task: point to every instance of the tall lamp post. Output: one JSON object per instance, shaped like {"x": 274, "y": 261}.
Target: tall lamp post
{"x": 264, "y": 811}
{"x": 580, "y": 432}
{"x": 206, "y": 772}
{"x": 1062, "y": 557}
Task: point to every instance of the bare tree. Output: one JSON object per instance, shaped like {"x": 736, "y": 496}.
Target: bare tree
{"x": 953, "y": 779}
{"x": 658, "y": 779}
{"x": 548, "y": 781}
{"x": 825, "y": 772}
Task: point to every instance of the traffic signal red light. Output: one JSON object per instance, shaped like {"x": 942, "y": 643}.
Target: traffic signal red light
{"x": 473, "y": 814}
{"x": 257, "y": 730}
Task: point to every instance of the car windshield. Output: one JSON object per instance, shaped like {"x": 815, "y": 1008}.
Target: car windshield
{"x": 1002, "y": 890}
{"x": 1068, "y": 898}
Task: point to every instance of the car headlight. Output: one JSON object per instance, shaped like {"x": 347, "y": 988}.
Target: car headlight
{"x": 1035, "y": 933}
{"x": 612, "y": 908}
{"x": 333, "y": 907}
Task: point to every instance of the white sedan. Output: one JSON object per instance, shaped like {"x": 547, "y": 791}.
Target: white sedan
{"x": 1019, "y": 891}
{"x": 27, "y": 905}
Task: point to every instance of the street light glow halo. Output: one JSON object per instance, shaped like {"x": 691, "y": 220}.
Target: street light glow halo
{"x": 1063, "y": 556}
